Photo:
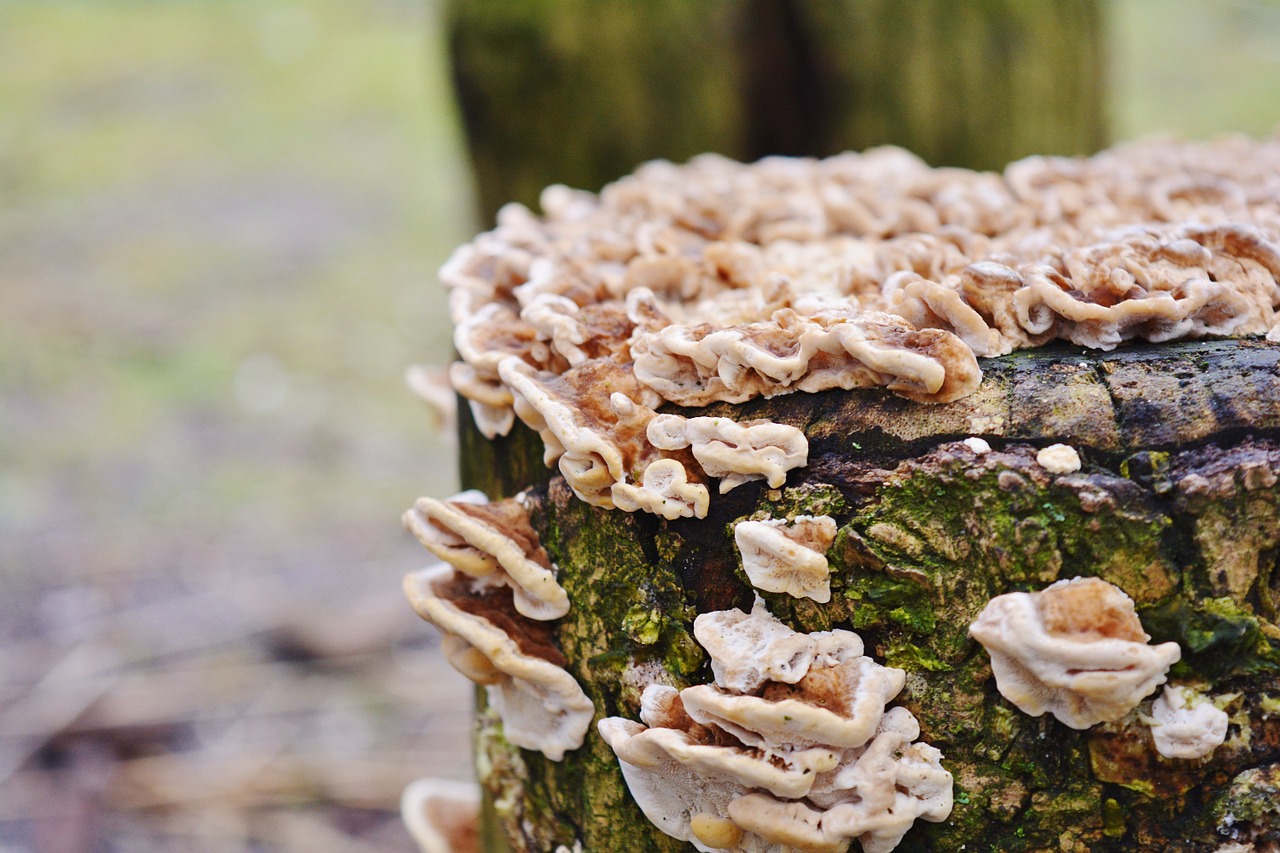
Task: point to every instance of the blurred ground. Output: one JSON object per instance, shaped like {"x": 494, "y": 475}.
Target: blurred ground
{"x": 219, "y": 224}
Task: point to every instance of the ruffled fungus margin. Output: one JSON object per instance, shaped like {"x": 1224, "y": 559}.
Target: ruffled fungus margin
{"x": 719, "y": 281}
{"x": 792, "y": 747}
{"x": 1076, "y": 649}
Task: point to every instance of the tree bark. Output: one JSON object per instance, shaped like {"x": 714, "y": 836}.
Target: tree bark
{"x": 1178, "y": 504}
{"x": 581, "y": 91}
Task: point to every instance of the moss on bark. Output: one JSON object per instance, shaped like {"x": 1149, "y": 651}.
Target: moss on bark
{"x": 1188, "y": 525}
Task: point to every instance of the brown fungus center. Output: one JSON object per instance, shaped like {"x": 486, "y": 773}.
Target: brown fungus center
{"x": 494, "y": 605}
{"x": 1089, "y": 608}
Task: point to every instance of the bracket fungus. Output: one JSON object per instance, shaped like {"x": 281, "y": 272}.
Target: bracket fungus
{"x": 1058, "y": 459}
{"x": 587, "y": 421}
{"x": 721, "y": 281}
{"x": 664, "y": 489}
{"x": 897, "y": 782}
{"x": 734, "y": 452}
{"x": 442, "y": 815}
{"x": 788, "y": 557}
{"x": 748, "y": 650}
{"x": 829, "y": 347}
{"x": 1186, "y": 724}
{"x": 834, "y": 706}
{"x": 1076, "y": 649}
{"x": 808, "y": 762}
{"x": 493, "y": 542}
{"x": 541, "y": 705}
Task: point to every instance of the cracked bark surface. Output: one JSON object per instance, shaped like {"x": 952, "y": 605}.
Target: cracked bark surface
{"x": 1178, "y": 503}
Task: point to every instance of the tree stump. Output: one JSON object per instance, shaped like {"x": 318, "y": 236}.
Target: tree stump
{"x": 1177, "y": 503}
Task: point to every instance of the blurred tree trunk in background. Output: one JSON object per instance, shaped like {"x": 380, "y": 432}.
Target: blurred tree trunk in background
{"x": 581, "y": 91}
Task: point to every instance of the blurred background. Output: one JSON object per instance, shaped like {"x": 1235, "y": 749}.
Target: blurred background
{"x": 219, "y": 226}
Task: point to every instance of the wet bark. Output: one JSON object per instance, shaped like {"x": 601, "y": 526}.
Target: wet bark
{"x": 578, "y": 92}
{"x": 1178, "y": 503}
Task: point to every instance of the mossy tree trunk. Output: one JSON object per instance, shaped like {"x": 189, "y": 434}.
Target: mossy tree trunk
{"x": 1178, "y": 504}
{"x": 581, "y": 91}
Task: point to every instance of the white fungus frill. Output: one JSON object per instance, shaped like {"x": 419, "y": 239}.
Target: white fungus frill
{"x": 1186, "y": 724}
{"x": 790, "y": 557}
{"x": 492, "y": 542}
{"x": 791, "y": 748}
{"x": 1076, "y": 650}
{"x": 733, "y": 452}
{"x": 541, "y": 705}
{"x": 720, "y": 282}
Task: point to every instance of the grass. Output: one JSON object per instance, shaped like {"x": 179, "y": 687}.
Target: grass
{"x": 1195, "y": 69}
{"x": 190, "y": 189}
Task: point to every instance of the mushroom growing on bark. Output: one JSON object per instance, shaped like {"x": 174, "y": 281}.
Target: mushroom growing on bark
{"x": 790, "y": 557}
{"x": 793, "y": 351}
{"x": 515, "y": 658}
{"x": 492, "y": 542}
{"x": 664, "y": 489}
{"x": 1058, "y": 459}
{"x": 735, "y": 453}
{"x": 591, "y": 420}
{"x": 748, "y": 650}
{"x": 742, "y": 763}
{"x": 1075, "y": 649}
{"x": 1186, "y": 724}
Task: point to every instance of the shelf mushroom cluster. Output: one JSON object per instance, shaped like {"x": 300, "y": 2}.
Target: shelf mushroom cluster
{"x": 598, "y": 423}
{"x": 1076, "y": 650}
{"x": 492, "y": 543}
{"x": 493, "y": 602}
{"x": 719, "y": 282}
{"x": 792, "y": 747}
{"x": 790, "y": 557}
